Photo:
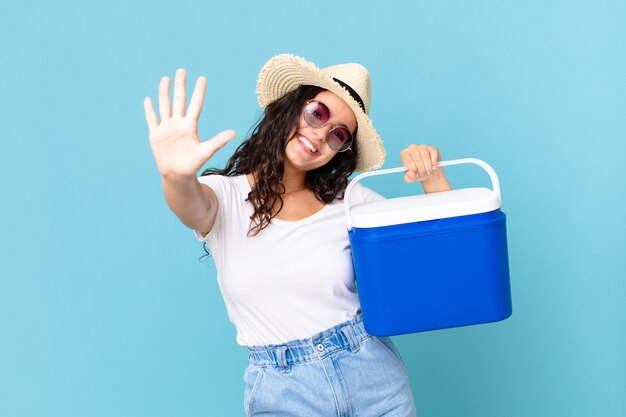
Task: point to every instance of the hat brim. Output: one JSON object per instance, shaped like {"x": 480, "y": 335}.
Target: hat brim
{"x": 284, "y": 73}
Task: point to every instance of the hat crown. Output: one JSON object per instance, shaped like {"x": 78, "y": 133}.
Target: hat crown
{"x": 356, "y": 76}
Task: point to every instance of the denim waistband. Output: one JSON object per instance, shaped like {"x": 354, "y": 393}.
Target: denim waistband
{"x": 348, "y": 334}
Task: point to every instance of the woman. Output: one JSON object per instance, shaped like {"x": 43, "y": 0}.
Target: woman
{"x": 274, "y": 222}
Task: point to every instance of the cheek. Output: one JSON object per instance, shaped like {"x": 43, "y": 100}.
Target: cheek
{"x": 328, "y": 156}
{"x": 291, "y": 134}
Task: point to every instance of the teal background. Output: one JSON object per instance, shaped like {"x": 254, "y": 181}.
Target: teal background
{"x": 105, "y": 309}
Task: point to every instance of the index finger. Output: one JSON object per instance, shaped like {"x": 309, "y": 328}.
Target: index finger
{"x": 197, "y": 99}
{"x": 434, "y": 155}
{"x": 408, "y": 162}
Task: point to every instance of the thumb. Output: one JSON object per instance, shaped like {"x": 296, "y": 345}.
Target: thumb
{"x": 217, "y": 142}
{"x": 410, "y": 177}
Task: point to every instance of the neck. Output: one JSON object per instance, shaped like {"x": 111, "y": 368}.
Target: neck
{"x": 293, "y": 180}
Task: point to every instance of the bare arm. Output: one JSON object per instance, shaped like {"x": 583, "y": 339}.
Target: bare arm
{"x": 437, "y": 183}
{"x": 179, "y": 153}
{"x": 193, "y": 203}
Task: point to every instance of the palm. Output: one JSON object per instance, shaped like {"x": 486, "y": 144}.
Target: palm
{"x": 176, "y": 146}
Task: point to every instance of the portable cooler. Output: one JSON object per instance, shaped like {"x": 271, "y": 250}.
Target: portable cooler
{"x": 430, "y": 261}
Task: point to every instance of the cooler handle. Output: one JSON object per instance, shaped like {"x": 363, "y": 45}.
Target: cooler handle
{"x": 492, "y": 174}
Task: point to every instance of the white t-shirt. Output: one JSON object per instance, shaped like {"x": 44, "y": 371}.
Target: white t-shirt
{"x": 292, "y": 280}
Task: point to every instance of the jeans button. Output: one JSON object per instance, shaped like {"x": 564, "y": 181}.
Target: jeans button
{"x": 320, "y": 347}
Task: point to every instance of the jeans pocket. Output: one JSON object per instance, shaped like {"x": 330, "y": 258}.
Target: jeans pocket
{"x": 386, "y": 343}
{"x": 252, "y": 377}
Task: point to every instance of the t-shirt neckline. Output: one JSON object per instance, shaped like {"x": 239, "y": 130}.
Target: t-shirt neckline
{"x": 305, "y": 220}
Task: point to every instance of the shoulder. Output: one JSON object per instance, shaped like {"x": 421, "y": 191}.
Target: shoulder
{"x": 223, "y": 184}
{"x": 211, "y": 179}
{"x": 363, "y": 194}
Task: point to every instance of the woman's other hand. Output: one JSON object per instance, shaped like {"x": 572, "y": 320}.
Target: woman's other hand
{"x": 421, "y": 164}
{"x": 177, "y": 149}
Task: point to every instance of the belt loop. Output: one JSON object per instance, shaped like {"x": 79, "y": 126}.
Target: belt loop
{"x": 353, "y": 342}
{"x": 281, "y": 359}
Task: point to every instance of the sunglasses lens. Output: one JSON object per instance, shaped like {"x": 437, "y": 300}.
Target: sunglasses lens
{"x": 339, "y": 139}
{"x": 316, "y": 114}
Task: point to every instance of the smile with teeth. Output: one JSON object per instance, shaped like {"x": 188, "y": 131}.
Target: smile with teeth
{"x": 308, "y": 144}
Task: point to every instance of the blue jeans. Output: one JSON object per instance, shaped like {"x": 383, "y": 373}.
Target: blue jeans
{"x": 342, "y": 371}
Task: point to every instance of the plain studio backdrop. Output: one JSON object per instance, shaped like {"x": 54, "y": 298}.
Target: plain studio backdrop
{"x": 105, "y": 309}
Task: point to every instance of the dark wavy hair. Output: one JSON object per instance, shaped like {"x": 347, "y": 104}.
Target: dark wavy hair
{"x": 263, "y": 155}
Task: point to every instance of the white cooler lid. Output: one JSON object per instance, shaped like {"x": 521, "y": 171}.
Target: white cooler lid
{"x": 424, "y": 207}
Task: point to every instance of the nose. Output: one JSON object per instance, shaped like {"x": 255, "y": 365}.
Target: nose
{"x": 321, "y": 133}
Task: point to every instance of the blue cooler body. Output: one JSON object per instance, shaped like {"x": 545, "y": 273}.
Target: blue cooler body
{"x": 431, "y": 261}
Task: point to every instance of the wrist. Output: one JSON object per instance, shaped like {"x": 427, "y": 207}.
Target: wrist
{"x": 436, "y": 183}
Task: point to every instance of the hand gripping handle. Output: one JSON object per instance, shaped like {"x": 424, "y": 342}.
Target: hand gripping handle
{"x": 492, "y": 174}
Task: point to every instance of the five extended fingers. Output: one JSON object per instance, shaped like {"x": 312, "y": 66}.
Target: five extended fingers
{"x": 179, "y": 100}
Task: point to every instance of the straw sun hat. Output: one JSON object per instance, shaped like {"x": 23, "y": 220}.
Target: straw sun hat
{"x": 351, "y": 82}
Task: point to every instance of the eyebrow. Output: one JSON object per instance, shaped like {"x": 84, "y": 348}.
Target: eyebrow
{"x": 341, "y": 124}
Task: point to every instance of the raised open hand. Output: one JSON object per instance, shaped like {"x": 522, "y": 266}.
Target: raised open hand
{"x": 177, "y": 149}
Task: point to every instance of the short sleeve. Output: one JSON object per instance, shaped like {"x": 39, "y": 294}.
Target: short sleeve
{"x": 369, "y": 195}
{"x": 362, "y": 194}
{"x": 221, "y": 186}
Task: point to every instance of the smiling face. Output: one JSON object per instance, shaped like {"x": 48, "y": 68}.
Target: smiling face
{"x": 308, "y": 148}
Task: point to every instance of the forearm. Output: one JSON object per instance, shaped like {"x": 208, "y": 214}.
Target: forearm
{"x": 186, "y": 198}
